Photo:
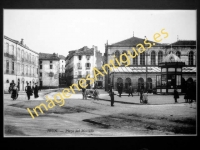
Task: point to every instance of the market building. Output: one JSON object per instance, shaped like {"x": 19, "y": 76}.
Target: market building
{"x": 144, "y": 71}
{"x": 80, "y": 63}
{"x": 49, "y": 70}
{"x": 20, "y": 64}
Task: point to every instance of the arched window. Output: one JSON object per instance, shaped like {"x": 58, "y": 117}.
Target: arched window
{"x": 124, "y": 57}
{"x": 153, "y": 58}
{"x": 7, "y": 48}
{"x": 135, "y": 60}
{"x": 117, "y": 55}
{"x": 191, "y": 54}
{"x": 142, "y": 58}
{"x": 160, "y": 56}
{"x": 178, "y": 54}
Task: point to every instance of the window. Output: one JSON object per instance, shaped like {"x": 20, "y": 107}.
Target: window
{"x": 87, "y": 57}
{"x": 22, "y": 54}
{"x": 13, "y": 66}
{"x": 79, "y": 66}
{"x": 50, "y": 61}
{"x": 7, "y": 48}
{"x": 79, "y": 57}
{"x": 26, "y": 69}
{"x": 79, "y": 74}
{"x": 40, "y": 62}
{"x": 153, "y": 58}
{"x": 62, "y": 61}
{"x": 142, "y": 59}
{"x": 178, "y": 54}
{"x": 18, "y": 53}
{"x": 117, "y": 56}
{"x": 51, "y": 66}
{"x": 87, "y": 65}
{"x": 191, "y": 58}
{"x": 87, "y": 72}
{"x": 40, "y": 66}
{"x": 7, "y": 65}
{"x": 40, "y": 74}
{"x": 124, "y": 57}
{"x": 160, "y": 57}
{"x": 135, "y": 60}
{"x": 22, "y": 68}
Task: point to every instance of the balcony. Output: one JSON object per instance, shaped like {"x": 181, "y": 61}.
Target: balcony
{"x": 9, "y": 56}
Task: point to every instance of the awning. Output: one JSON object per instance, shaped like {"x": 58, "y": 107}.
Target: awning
{"x": 149, "y": 69}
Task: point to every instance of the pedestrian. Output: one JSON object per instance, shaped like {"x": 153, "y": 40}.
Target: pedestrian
{"x": 35, "y": 89}
{"x": 14, "y": 94}
{"x": 141, "y": 95}
{"x": 120, "y": 90}
{"x": 176, "y": 95}
{"x": 130, "y": 91}
{"x": 186, "y": 95}
{"x": 10, "y": 88}
{"x": 96, "y": 94}
{"x": 84, "y": 93}
{"x": 111, "y": 93}
{"x": 145, "y": 97}
{"x": 138, "y": 91}
{"x": 29, "y": 91}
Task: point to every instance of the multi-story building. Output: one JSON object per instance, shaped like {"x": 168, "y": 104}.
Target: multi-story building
{"x": 20, "y": 64}
{"x": 49, "y": 70}
{"x": 62, "y": 77}
{"x": 144, "y": 68}
{"x": 80, "y": 63}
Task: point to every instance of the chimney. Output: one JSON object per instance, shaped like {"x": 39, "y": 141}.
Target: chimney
{"x": 22, "y": 41}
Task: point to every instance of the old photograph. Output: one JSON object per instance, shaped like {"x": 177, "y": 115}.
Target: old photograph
{"x": 99, "y": 72}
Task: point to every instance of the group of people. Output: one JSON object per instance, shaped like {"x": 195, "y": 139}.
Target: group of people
{"x": 13, "y": 89}
{"x": 143, "y": 93}
{"x": 95, "y": 93}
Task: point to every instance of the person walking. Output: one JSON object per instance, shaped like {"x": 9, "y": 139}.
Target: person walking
{"x": 111, "y": 93}
{"x": 141, "y": 95}
{"x": 96, "y": 94}
{"x": 176, "y": 95}
{"x": 14, "y": 94}
{"x": 28, "y": 90}
{"x": 186, "y": 95}
{"x": 145, "y": 97}
{"x": 130, "y": 91}
{"x": 83, "y": 92}
{"x": 120, "y": 90}
{"x": 10, "y": 88}
{"x": 36, "y": 91}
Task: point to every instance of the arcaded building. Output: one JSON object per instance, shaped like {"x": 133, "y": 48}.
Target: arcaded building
{"x": 20, "y": 64}
{"x": 144, "y": 70}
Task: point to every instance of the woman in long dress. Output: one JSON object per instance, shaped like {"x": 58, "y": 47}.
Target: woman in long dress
{"x": 14, "y": 93}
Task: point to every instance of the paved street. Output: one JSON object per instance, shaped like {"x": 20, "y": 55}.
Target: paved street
{"x": 97, "y": 118}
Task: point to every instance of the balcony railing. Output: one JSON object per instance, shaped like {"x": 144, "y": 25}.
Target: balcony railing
{"x": 9, "y": 56}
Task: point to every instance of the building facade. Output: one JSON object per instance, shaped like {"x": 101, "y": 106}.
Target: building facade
{"x": 20, "y": 64}
{"x": 80, "y": 63}
{"x": 62, "y": 77}
{"x": 144, "y": 68}
{"x": 49, "y": 65}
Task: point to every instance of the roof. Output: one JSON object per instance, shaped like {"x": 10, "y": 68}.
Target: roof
{"x": 184, "y": 43}
{"x": 17, "y": 42}
{"x": 82, "y": 51}
{"x": 61, "y": 57}
{"x": 149, "y": 69}
{"x": 47, "y": 56}
{"x": 133, "y": 41}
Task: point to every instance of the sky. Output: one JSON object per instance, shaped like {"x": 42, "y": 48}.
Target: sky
{"x": 62, "y": 30}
